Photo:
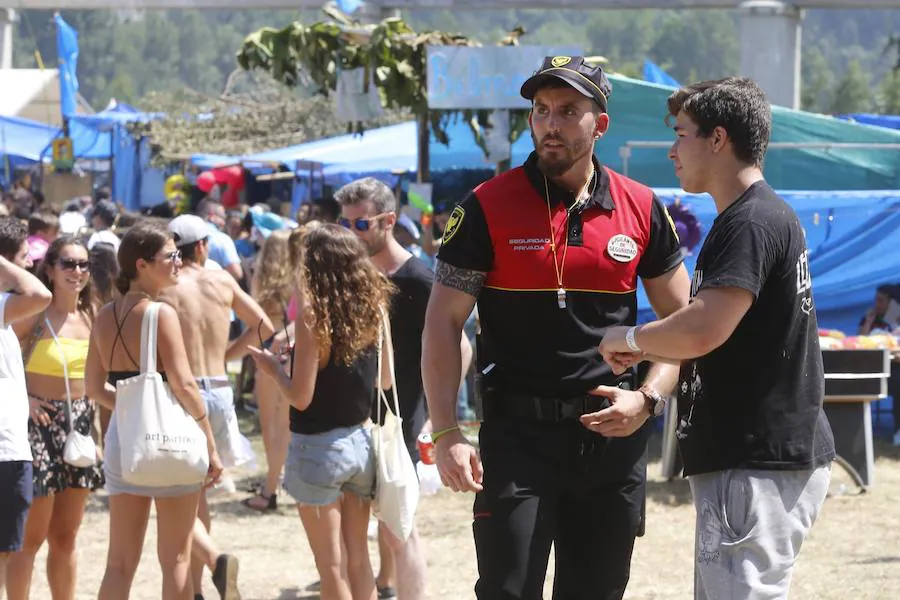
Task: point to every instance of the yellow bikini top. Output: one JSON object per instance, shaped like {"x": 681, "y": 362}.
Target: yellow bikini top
{"x": 46, "y": 359}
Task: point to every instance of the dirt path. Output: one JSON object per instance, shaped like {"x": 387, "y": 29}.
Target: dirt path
{"x": 853, "y": 551}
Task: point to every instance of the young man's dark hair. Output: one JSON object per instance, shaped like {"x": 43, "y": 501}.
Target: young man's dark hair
{"x": 13, "y": 234}
{"x": 189, "y": 251}
{"x": 737, "y": 104}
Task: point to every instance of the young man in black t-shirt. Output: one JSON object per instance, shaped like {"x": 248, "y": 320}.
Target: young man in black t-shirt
{"x": 753, "y": 436}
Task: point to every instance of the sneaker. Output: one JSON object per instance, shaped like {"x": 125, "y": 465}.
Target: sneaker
{"x": 897, "y": 438}
{"x": 387, "y": 593}
{"x": 315, "y": 586}
{"x": 225, "y": 577}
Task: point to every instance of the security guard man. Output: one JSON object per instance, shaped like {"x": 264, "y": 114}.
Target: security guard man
{"x": 551, "y": 251}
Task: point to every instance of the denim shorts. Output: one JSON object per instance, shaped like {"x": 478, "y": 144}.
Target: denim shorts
{"x": 321, "y": 466}
{"x": 16, "y": 490}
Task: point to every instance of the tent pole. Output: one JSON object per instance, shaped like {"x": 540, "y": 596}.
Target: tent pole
{"x": 112, "y": 166}
{"x": 423, "y": 174}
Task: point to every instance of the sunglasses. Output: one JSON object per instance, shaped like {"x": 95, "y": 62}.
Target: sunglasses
{"x": 361, "y": 224}
{"x": 173, "y": 256}
{"x": 70, "y": 264}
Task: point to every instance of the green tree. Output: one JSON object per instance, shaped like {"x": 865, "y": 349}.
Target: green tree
{"x": 852, "y": 94}
{"x": 624, "y": 37}
{"x": 698, "y": 45}
{"x": 817, "y": 80}
{"x": 889, "y": 93}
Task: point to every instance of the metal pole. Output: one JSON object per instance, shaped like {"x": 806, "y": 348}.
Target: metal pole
{"x": 786, "y": 145}
{"x": 7, "y": 18}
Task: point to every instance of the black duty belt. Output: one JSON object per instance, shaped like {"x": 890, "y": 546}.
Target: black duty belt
{"x": 523, "y": 406}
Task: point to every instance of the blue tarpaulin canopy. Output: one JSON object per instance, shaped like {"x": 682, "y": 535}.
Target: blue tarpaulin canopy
{"x": 28, "y": 141}
{"x": 852, "y": 239}
{"x": 23, "y": 141}
{"x": 381, "y": 150}
{"x": 889, "y": 121}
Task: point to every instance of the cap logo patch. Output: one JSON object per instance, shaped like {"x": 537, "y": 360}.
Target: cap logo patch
{"x": 560, "y": 61}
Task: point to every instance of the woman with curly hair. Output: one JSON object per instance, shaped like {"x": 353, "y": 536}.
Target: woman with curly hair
{"x": 272, "y": 287}
{"x": 341, "y": 296}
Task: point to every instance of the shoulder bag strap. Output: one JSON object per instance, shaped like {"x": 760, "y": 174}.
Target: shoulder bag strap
{"x": 386, "y": 328}
{"x": 149, "y": 326}
{"x": 65, "y": 364}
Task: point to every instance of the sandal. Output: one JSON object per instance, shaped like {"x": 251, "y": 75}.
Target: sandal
{"x": 270, "y": 505}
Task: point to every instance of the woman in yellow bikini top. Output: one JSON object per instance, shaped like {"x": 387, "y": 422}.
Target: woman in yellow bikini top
{"x": 55, "y": 347}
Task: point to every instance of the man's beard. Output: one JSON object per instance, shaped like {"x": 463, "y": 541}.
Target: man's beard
{"x": 564, "y": 158}
{"x": 376, "y": 245}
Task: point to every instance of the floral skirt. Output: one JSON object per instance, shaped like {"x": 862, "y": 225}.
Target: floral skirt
{"x": 52, "y": 474}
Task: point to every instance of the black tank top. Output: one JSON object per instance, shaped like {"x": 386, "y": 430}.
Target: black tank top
{"x": 343, "y": 396}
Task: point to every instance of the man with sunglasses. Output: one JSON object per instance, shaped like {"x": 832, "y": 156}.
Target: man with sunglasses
{"x": 369, "y": 209}
{"x": 204, "y": 299}
{"x": 552, "y": 251}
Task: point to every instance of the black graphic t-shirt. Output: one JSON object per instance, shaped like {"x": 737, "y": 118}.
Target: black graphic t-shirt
{"x": 755, "y": 402}
{"x": 413, "y": 280}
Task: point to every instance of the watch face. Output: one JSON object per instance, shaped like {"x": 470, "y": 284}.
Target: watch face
{"x": 659, "y": 407}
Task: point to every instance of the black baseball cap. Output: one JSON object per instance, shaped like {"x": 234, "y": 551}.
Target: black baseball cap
{"x": 588, "y": 80}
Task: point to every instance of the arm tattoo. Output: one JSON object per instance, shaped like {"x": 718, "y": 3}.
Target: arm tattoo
{"x": 464, "y": 280}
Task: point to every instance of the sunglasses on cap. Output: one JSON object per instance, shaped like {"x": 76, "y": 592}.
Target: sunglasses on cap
{"x": 361, "y": 224}
{"x": 70, "y": 264}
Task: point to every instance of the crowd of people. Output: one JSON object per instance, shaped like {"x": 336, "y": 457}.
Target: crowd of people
{"x": 568, "y": 380}
{"x": 228, "y": 282}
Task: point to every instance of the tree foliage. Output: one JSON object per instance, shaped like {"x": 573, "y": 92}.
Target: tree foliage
{"x": 392, "y": 53}
{"x": 853, "y": 93}
{"x": 265, "y": 115}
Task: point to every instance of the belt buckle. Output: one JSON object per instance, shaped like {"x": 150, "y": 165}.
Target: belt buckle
{"x": 566, "y": 409}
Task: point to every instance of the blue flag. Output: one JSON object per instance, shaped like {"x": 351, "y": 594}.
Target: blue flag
{"x": 654, "y": 74}
{"x": 67, "y": 53}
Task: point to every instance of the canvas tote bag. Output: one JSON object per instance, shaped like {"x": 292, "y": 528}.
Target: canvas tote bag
{"x": 396, "y": 483}
{"x": 161, "y": 445}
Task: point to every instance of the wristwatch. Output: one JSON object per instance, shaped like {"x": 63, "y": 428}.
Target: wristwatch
{"x": 655, "y": 402}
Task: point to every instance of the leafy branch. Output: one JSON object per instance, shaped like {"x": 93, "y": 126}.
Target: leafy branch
{"x": 392, "y": 54}
{"x": 252, "y": 115}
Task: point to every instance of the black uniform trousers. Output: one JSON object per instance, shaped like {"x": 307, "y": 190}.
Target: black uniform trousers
{"x": 557, "y": 483}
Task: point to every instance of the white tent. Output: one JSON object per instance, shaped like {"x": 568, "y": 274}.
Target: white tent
{"x": 34, "y": 94}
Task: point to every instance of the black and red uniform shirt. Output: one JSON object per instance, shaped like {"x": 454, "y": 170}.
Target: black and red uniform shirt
{"x": 503, "y": 228}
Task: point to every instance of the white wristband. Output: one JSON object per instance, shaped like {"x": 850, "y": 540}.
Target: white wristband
{"x": 629, "y": 339}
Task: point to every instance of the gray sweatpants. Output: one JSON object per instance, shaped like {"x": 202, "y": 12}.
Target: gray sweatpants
{"x": 750, "y": 526}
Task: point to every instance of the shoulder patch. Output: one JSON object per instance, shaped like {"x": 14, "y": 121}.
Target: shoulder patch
{"x": 453, "y": 223}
